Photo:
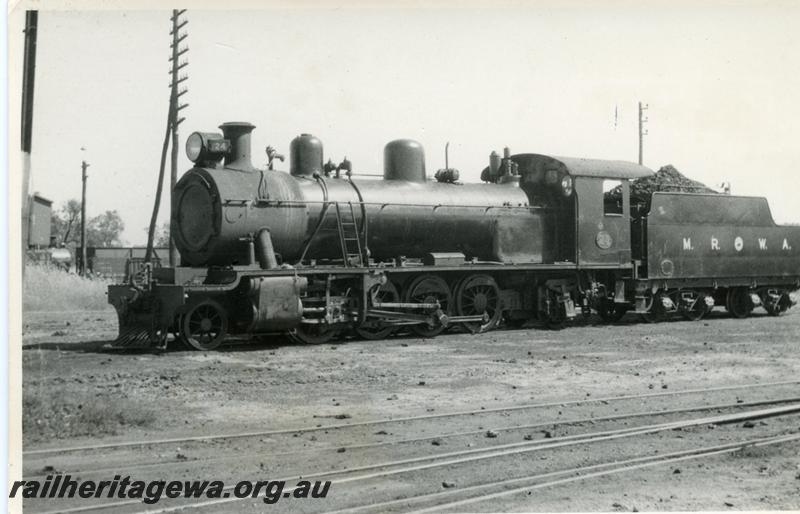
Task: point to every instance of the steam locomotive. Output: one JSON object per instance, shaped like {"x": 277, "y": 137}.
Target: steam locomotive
{"x": 319, "y": 253}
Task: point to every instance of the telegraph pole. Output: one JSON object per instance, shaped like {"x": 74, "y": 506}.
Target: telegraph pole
{"x": 642, "y": 130}
{"x": 82, "y": 270}
{"x": 178, "y": 62}
{"x": 28, "y": 76}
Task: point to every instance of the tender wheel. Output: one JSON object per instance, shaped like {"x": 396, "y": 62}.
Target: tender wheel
{"x": 429, "y": 289}
{"x": 374, "y": 328}
{"x": 697, "y": 310}
{"x": 314, "y": 333}
{"x": 476, "y": 295}
{"x": 609, "y": 311}
{"x": 783, "y": 304}
{"x": 204, "y": 327}
{"x": 738, "y": 302}
{"x": 656, "y": 311}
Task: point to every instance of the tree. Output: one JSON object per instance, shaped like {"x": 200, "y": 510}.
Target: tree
{"x": 65, "y": 224}
{"x": 162, "y": 235}
{"x": 105, "y": 229}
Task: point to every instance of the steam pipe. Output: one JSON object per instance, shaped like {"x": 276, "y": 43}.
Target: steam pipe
{"x": 266, "y": 252}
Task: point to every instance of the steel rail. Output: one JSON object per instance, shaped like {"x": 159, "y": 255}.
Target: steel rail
{"x": 402, "y": 419}
{"x": 464, "y": 456}
{"x": 516, "y": 448}
{"x": 573, "y": 421}
{"x": 616, "y": 467}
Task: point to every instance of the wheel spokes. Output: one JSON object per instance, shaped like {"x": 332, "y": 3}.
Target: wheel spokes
{"x": 429, "y": 289}
{"x": 205, "y": 326}
{"x": 478, "y": 295}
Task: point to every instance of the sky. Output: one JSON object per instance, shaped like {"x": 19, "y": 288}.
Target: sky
{"x": 722, "y": 81}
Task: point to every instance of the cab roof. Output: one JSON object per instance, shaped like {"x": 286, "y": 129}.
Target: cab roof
{"x": 580, "y": 167}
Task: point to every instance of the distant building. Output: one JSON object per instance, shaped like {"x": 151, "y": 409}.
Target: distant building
{"x": 112, "y": 261}
{"x": 39, "y": 221}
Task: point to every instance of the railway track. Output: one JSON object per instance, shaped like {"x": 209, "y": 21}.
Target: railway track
{"x": 483, "y": 492}
{"x": 321, "y": 428}
{"x": 438, "y": 436}
{"x": 40, "y": 463}
{"x": 381, "y": 470}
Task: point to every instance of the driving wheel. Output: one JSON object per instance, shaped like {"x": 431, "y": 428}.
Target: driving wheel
{"x": 429, "y": 289}
{"x": 375, "y": 328}
{"x": 479, "y": 295}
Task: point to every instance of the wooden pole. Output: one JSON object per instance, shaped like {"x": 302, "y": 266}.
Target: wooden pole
{"x": 28, "y": 76}
{"x": 84, "y": 165}
{"x": 642, "y": 131}
{"x": 171, "y": 136}
{"x": 173, "y": 171}
{"x": 173, "y": 178}
{"x": 151, "y": 232}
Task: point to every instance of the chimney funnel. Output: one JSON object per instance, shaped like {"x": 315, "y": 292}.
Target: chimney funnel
{"x": 238, "y": 133}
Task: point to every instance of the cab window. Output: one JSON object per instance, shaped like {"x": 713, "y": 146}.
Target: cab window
{"x": 612, "y": 197}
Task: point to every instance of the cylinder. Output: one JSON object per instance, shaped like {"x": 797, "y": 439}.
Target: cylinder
{"x": 305, "y": 156}
{"x": 238, "y": 133}
{"x": 276, "y": 302}
{"x": 404, "y": 159}
{"x": 266, "y": 252}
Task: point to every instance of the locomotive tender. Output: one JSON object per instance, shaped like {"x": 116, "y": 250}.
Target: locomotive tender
{"x": 320, "y": 253}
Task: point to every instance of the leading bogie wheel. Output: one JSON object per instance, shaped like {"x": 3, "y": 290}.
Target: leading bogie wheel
{"x": 429, "y": 289}
{"x": 479, "y": 295}
{"x": 204, "y": 326}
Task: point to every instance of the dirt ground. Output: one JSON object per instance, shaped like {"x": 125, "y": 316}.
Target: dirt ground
{"x": 76, "y": 392}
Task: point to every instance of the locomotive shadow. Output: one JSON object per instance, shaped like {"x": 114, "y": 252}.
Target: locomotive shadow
{"x": 635, "y": 319}
{"x": 629, "y": 318}
{"x": 61, "y": 346}
{"x": 103, "y": 346}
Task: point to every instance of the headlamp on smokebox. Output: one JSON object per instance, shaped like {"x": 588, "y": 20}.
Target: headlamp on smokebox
{"x": 567, "y": 185}
{"x": 206, "y": 147}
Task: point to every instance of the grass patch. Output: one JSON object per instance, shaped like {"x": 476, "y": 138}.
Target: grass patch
{"x": 59, "y": 415}
{"x": 50, "y": 289}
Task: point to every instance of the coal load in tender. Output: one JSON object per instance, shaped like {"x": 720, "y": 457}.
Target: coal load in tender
{"x": 666, "y": 179}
